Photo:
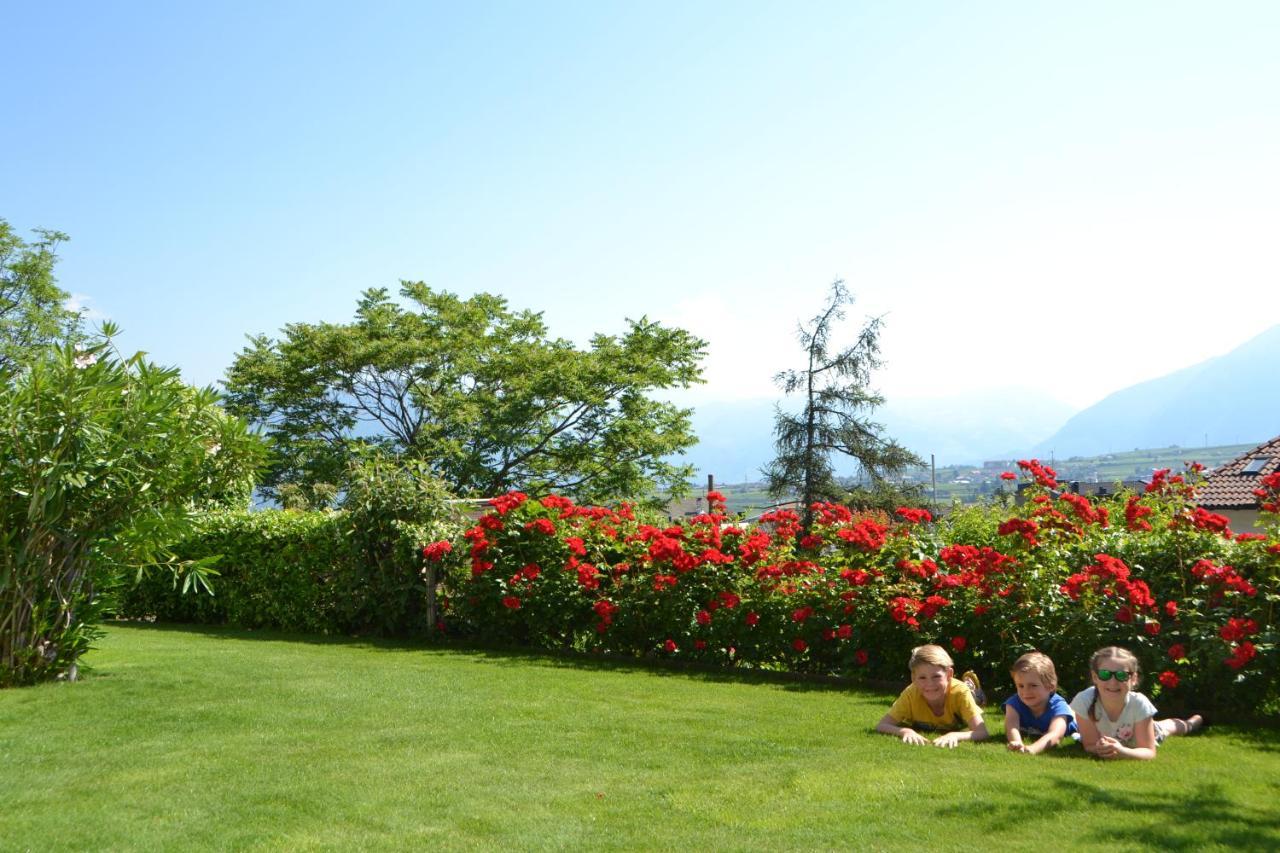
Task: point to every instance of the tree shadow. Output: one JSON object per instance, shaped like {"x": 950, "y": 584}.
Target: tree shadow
{"x": 1170, "y": 820}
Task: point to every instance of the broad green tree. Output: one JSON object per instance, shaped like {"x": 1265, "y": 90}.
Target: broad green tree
{"x": 837, "y": 403}
{"x": 103, "y": 462}
{"x": 478, "y": 392}
{"x": 32, "y": 308}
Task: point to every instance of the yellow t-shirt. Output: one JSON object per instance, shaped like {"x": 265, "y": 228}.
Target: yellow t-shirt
{"x": 958, "y": 711}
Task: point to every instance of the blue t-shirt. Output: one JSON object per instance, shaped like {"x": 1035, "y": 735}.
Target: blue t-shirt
{"x": 1030, "y": 724}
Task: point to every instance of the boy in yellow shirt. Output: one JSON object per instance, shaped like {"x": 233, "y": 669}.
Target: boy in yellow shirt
{"x": 935, "y": 700}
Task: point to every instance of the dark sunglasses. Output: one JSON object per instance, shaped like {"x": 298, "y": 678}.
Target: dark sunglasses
{"x": 1117, "y": 674}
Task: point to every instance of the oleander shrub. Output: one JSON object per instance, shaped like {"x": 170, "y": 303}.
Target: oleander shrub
{"x": 104, "y": 461}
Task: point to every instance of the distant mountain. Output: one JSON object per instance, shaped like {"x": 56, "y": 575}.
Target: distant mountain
{"x": 736, "y": 438}
{"x": 1230, "y": 399}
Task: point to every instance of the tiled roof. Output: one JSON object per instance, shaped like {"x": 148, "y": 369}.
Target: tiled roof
{"x": 1229, "y": 488}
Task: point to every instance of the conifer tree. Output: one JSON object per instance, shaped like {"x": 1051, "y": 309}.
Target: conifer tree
{"x": 835, "y": 417}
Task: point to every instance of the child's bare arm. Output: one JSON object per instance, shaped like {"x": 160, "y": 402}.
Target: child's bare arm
{"x": 1089, "y": 734}
{"x": 1144, "y": 734}
{"x": 977, "y": 731}
{"x": 1057, "y": 730}
{"x": 889, "y": 726}
{"x": 1011, "y": 729}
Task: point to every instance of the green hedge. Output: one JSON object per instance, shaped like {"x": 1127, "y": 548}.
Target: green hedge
{"x": 294, "y": 571}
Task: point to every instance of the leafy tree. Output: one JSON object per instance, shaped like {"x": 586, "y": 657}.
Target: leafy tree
{"x": 31, "y": 303}
{"x": 835, "y": 416}
{"x": 473, "y": 389}
{"x": 103, "y": 461}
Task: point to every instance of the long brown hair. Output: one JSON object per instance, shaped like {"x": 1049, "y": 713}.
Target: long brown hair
{"x": 1126, "y": 658}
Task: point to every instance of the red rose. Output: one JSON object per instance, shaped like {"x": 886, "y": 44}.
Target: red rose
{"x": 844, "y": 632}
{"x": 799, "y": 644}
{"x": 980, "y": 609}
{"x": 753, "y": 619}
{"x": 1008, "y": 475}
{"x": 860, "y": 657}
{"x": 1169, "y": 678}
{"x": 703, "y": 617}
{"x": 1177, "y": 651}
{"x": 436, "y": 550}
{"x": 1171, "y": 608}
{"x": 1152, "y": 628}
{"x": 959, "y": 643}
{"x": 511, "y": 602}
{"x": 1124, "y": 614}
{"x": 670, "y": 646}
{"x": 699, "y": 644}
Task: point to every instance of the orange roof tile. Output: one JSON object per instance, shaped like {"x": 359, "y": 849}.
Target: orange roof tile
{"x": 1228, "y": 487}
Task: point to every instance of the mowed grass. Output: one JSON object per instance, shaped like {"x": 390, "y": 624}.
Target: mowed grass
{"x": 207, "y": 738}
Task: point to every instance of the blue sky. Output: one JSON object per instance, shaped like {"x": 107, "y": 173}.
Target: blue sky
{"x": 1065, "y": 197}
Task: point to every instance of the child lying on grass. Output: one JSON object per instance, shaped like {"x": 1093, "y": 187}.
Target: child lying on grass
{"x": 1116, "y": 721}
{"x": 1036, "y": 710}
{"x": 935, "y": 700}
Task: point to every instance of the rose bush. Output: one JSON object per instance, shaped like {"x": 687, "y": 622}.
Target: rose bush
{"x": 1058, "y": 572}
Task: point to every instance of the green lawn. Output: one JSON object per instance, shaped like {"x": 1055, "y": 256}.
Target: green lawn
{"x": 185, "y": 738}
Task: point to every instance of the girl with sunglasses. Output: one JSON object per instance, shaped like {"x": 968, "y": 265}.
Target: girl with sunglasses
{"x": 1116, "y": 721}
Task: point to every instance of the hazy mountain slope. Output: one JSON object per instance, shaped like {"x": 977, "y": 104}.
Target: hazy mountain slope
{"x": 1225, "y": 400}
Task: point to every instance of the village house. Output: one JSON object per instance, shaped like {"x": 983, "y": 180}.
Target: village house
{"x": 1229, "y": 489}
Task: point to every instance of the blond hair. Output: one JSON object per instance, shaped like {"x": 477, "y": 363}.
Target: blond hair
{"x": 1040, "y": 664}
{"x": 1125, "y": 657}
{"x": 929, "y": 655}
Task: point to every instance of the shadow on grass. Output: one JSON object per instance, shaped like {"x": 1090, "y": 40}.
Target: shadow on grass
{"x": 517, "y": 656}
{"x": 1174, "y": 820}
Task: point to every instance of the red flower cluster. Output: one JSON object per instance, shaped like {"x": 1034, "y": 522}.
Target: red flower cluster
{"x": 1169, "y": 679}
{"x": 503, "y": 504}
{"x": 1223, "y": 578}
{"x": 1241, "y": 655}
{"x": 1237, "y": 629}
{"x": 1269, "y": 494}
{"x": 1085, "y": 510}
{"x": 831, "y": 513}
{"x": 1042, "y": 474}
{"x": 605, "y": 610}
{"x": 914, "y": 516}
{"x": 866, "y": 534}
{"x": 1024, "y": 527}
{"x": 1135, "y": 513}
{"x": 545, "y": 526}
{"x": 1108, "y": 577}
{"x": 435, "y": 551}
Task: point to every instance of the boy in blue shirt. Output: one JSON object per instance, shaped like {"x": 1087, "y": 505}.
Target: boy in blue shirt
{"x": 1036, "y": 710}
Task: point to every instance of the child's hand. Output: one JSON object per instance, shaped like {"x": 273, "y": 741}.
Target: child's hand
{"x": 913, "y": 737}
{"x": 1017, "y": 746}
{"x": 1108, "y": 747}
{"x": 948, "y": 741}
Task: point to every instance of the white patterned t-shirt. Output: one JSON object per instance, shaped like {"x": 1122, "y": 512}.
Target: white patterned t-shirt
{"x": 1136, "y": 709}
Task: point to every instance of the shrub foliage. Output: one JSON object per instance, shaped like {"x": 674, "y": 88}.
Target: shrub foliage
{"x": 102, "y": 462}
{"x": 352, "y": 571}
{"x": 1059, "y": 573}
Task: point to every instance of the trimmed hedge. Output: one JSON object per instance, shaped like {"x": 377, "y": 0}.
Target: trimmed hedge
{"x": 293, "y": 571}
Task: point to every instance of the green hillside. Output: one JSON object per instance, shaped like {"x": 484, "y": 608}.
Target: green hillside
{"x": 970, "y": 484}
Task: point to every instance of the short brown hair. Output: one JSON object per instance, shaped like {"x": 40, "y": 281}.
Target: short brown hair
{"x": 929, "y": 655}
{"x": 1040, "y": 664}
